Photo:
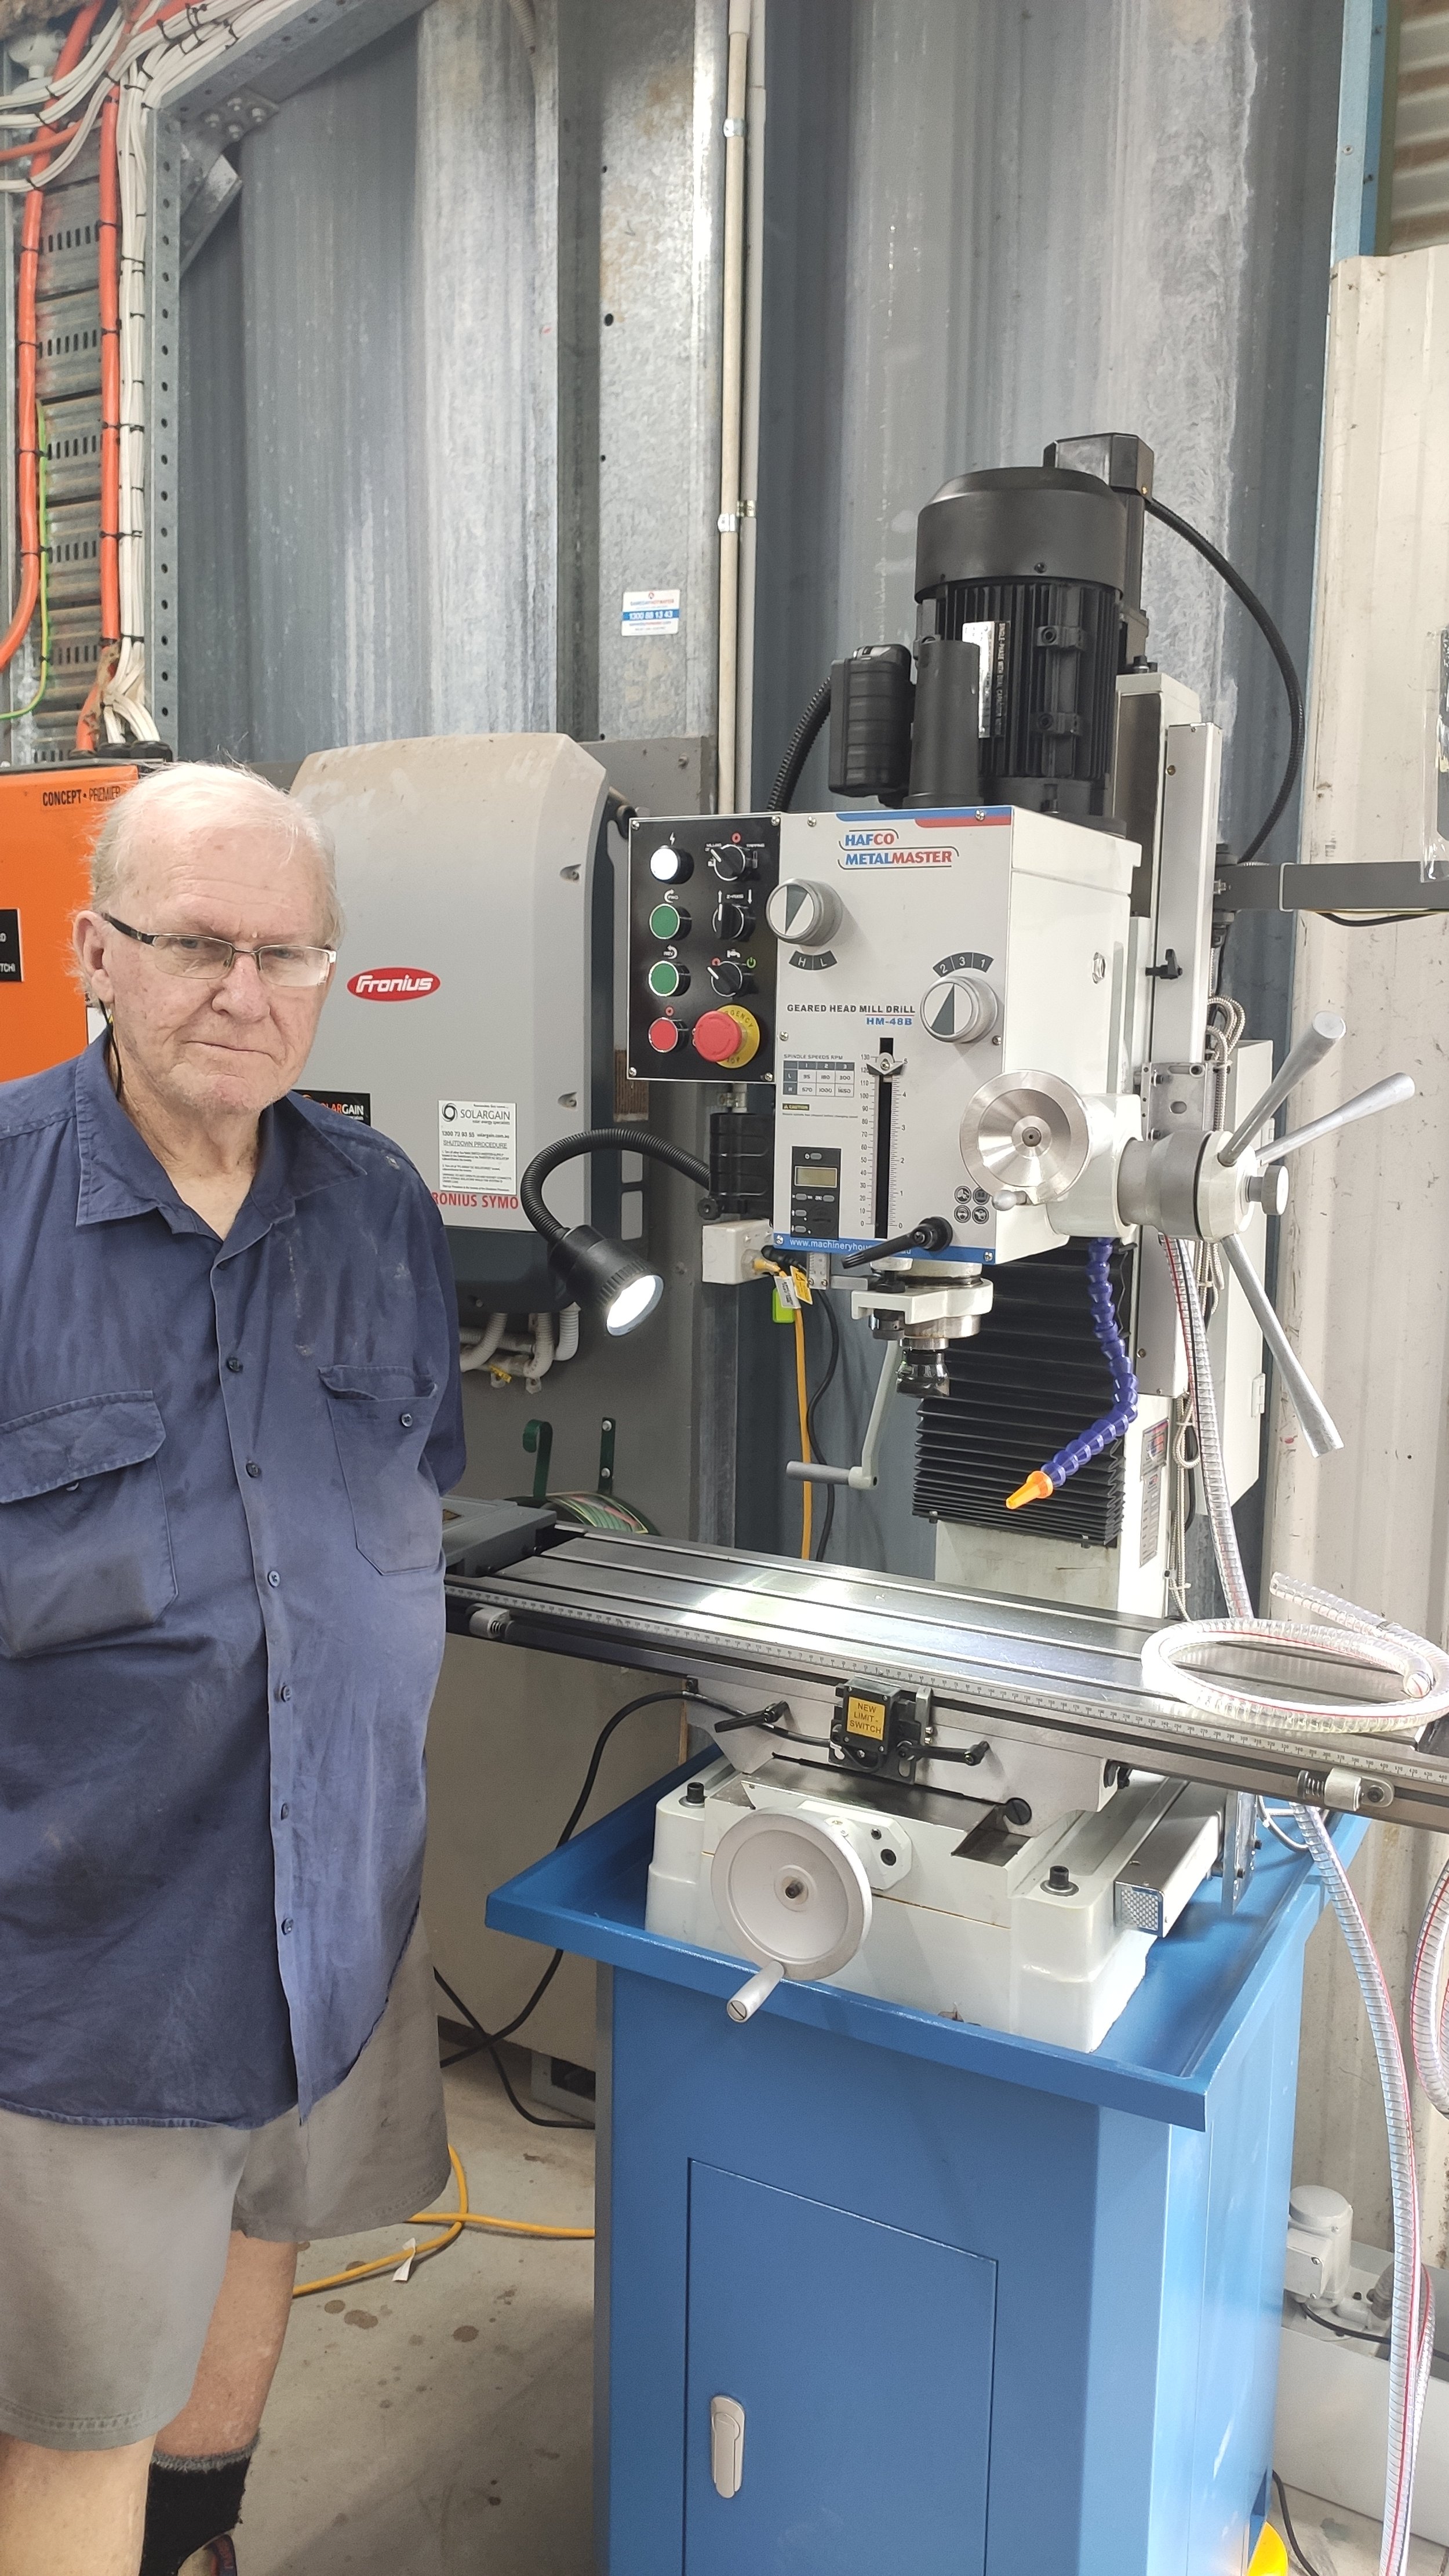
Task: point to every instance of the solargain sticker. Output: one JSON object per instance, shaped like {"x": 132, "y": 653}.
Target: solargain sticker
{"x": 478, "y": 1152}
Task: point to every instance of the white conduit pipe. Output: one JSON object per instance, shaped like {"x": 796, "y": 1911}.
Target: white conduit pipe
{"x": 731, "y": 356}
{"x": 750, "y": 408}
{"x": 1356, "y": 1640}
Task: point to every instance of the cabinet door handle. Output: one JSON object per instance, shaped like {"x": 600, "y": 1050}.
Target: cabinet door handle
{"x": 726, "y": 2444}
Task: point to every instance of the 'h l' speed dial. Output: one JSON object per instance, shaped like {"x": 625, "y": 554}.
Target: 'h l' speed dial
{"x": 804, "y": 914}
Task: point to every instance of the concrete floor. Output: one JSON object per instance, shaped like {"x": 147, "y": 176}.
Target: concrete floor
{"x": 442, "y": 2427}
{"x": 1339, "y": 2543}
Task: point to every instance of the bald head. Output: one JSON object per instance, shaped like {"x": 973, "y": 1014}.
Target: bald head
{"x": 195, "y": 806}
{"x": 196, "y": 870}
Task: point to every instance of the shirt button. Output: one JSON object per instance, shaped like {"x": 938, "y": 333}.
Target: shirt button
{"x": 286, "y": 1923}
{"x": 284, "y": 1690}
{"x": 406, "y": 1420}
{"x": 252, "y": 1468}
{"x": 274, "y": 1578}
{"x": 284, "y": 1812}
{"x": 235, "y": 1366}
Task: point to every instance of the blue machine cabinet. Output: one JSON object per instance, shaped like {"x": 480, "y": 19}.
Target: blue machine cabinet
{"x": 991, "y": 2308}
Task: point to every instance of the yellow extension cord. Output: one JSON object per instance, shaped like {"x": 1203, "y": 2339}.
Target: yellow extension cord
{"x": 452, "y": 2222}
{"x": 807, "y": 1491}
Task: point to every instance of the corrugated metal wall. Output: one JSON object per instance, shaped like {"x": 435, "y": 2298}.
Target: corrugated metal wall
{"x": 991, "y": 227}
{"x": 1417, "y": 129}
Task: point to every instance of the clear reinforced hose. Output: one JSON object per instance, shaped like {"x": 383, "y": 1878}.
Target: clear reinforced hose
{"x": 1411, "y": 2329}
{"x": 1429, "y": 2000}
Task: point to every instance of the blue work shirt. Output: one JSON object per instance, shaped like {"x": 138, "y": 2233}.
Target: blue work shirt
{"x": 221, "y": 1613}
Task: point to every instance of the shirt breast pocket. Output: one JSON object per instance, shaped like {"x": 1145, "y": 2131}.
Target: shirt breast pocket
{"x": 381, "y": 1418}
{"x": 85, "y": 1544}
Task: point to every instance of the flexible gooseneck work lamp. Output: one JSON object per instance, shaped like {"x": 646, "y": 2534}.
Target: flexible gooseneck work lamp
{"x": 596, "y": 1271}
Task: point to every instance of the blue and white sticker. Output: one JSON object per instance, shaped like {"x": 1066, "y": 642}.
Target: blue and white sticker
{"x": 650, "y": 612}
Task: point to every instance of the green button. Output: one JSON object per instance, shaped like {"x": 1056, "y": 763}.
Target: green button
{"x": 665, "y": 921}
{"x": 664, "y": 978}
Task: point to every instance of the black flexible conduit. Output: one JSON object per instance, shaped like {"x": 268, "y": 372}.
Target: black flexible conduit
{"x": 799, "y": 748}
{"x": 594, "y": 1140}
{"x": 1276, "y": 646}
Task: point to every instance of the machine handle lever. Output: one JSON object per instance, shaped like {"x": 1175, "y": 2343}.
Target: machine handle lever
{"x": 933, "y": 1234}
{"x": 1379, "y": 1095}
{"x": 744, "y": 2005}
{"x": 862, "y": 1478}
{"x": 1319, "y": 1429}
{"x": 1324, "y": 1032}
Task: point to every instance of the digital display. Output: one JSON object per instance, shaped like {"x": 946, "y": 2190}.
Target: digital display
{"x": 821, "y": 1176}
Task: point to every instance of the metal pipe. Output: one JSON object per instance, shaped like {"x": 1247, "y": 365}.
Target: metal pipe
{"x": 1319, "y": 1429}
{"x": 730, "y": 372}
{"x": 1324, "y": 1032}
{"x": 750, "y": 405}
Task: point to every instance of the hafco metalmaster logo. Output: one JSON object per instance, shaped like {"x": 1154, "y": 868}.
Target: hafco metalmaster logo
{"x": 864, "y": 847}
{"x": 394, "y": 983}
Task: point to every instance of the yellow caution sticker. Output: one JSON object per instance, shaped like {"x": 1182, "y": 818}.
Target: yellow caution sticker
{"x": 866, "y": 1717}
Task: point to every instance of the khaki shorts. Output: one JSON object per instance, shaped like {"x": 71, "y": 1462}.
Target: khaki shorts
{"x": 113, "y": 2240}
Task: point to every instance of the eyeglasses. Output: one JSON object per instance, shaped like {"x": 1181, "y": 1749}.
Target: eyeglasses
{"x": 178, "y": 953}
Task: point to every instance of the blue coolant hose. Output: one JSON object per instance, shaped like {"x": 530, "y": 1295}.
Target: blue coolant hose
{"x": 1109, "y": 1426}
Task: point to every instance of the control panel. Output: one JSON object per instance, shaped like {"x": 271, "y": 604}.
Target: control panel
{"x": 702, "y": 953}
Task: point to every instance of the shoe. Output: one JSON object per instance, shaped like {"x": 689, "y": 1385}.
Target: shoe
{"x": 218, "y": 2558}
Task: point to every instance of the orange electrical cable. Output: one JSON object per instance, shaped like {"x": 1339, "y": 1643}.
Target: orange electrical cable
{"x": 108, "y": 235}
{"x": 27, "y": 432}
{"x": 48, "y": 140}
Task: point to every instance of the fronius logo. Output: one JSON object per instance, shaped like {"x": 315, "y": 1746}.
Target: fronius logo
{"x": 394, "y": 983}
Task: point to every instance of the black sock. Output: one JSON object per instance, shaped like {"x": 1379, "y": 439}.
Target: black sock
{"x": 188, "y": 2503}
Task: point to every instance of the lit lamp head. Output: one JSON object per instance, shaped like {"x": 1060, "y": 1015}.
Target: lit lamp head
{"x": 600, "y": 1273}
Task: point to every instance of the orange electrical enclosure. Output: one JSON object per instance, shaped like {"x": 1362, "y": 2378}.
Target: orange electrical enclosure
{"x": 49, "y": 819}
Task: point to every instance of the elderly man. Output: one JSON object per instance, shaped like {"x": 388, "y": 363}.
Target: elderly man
{"x": 228, "y": 1405}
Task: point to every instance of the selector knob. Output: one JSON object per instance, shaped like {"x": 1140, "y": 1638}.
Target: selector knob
{"x": 959, "y": 1008}
{"x": 727, "y": 978}
{"x": 729, "y": 918}
{"x": 666, "y": 978}
{"x": 730, "y": 863}
{"x": 804, "y": 914}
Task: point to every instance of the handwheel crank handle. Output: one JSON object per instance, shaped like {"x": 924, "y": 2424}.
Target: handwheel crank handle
{"x": 744, "y": 2005}
{"x": 1319, "y": 1428}
{"x": 1364, "y": 1104}
{"x": 1324, "y": 1032}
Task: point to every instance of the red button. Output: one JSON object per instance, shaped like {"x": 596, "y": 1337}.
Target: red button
{"x": 664, "y": 1036}
{"x": 717, "y": 1035}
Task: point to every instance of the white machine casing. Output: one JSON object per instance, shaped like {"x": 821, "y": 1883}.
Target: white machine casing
{"x": 964, "y": 1921}
{"x": 1031, "y": 915}
{"x": 464, "y": 999}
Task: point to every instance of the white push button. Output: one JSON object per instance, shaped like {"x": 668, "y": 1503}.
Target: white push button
{"x": 726, "y": 2443}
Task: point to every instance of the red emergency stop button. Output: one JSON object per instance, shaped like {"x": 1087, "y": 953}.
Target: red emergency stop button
{"x": 728, "y": 1038}
{"x": 664, "y": 1036}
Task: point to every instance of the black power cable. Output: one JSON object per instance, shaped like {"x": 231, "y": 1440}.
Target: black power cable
{"x": 799, "y": 748}
{"x": 1370, "y": 920}
{"x": 490, "y": 2039}
{"x": 827, "y": 1311}
{"x": 1289, "y": 2534}
{"x": 1276, "y": 646}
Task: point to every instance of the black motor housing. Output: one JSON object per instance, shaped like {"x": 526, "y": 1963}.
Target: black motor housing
{"x": 1048, "y": 560}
